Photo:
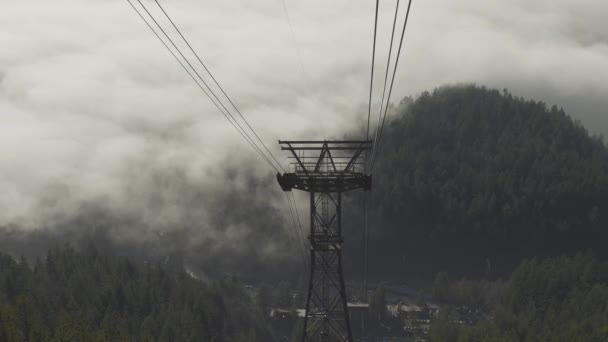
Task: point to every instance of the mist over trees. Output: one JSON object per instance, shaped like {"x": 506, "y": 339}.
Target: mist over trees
{"x": 235, "y": 227}
{"x": 469, "y": 180}
{"x": 467, "y": 177}
{"x": 476, "y": 178}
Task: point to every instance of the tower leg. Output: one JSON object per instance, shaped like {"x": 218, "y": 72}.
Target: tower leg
{"x": 310, "y": 280}
{"x": 326, "y": 318}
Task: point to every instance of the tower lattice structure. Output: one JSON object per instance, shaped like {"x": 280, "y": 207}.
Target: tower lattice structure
{"x": 326, "y": 169}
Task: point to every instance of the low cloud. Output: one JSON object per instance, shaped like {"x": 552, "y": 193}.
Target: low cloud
{"x": 97, "y": 120}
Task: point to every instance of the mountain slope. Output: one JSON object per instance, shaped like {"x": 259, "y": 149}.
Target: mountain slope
{"x": 472, "y": 175}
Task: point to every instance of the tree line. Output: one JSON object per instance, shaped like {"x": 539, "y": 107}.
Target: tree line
{"x": 79, "y": 296}
{"x": 553, "y": 299}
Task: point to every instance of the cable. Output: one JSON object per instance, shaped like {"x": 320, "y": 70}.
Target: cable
{"x": 371, "y": 81}
{"x": 388, "y": 65}
{"x": 365, "y": 241}
{"x": 379, "y": 136}
{"x": 301, "y": 244}
{"x": 293, "y": 39}
{"x": 365, "y": 195}
{"x": 206, "y": 85}
{"x": 180, "y": 62}
{"x": 295, "y": 205}
{"x": 394, "y": 73}
{"x": 218, "y": 85}
{"x": 227, "y": 113}
{"x": 380, "y": 129}
{"x": 301, "y": 234}
{"x": 298, "y": 238}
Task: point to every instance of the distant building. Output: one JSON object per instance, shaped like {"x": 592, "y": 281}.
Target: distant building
{"x": 276, "y": 313}
{"x": 396, "y": 310}
{"x": 355, "y": 309}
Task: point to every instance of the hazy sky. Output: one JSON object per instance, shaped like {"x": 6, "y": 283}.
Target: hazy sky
{"x": 93, "y": 108}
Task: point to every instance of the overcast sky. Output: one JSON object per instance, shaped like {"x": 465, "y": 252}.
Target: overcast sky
{"x": 91, "y": 104}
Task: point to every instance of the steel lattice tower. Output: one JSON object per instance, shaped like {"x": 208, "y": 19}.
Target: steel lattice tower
{"x": 326, "y": 169}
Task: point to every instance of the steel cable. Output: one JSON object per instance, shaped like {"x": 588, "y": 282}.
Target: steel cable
{"x": 381, "y": 128}
{"x": 218, "y": 85}
{"x": 225, "y": 111}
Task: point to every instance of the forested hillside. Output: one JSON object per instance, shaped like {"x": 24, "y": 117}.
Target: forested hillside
{"x": 78, "y": 297}
{"x": 557, "y": 299}
{"x": 478, "y": 178}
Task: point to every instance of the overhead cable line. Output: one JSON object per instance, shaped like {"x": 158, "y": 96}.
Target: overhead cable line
{"x": 293, "y": 38}
{"x": 381, "y": 117}
{"x": 388, "y": 65}
{"x": 302, "y": 70}
{"x": 254, "y": 145}
{"x": 218, "y": 85}
{"x": 298, "y": 239}
{"x": 295, "y": 205}
{"x": 380, "y": 131}
{"x": 365, "y": 195}
{"x": 212, "y": 97}
{"x": 296, "y": 219}
{"x": 221, "y": 107}
{"x": 371, "y": 81}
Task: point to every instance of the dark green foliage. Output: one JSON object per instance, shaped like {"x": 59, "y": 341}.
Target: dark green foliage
{"x": 441, "y": 287}
{"x": 79, "y": 297}
{"x": 480, "y": 294}
{"x": 557, "y": 299}
{"x": 471, "y": 171}
{"x": 283, "y": 298}
{"x": 377, "y": 304}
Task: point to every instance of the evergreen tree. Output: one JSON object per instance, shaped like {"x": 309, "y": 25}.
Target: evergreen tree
{"x": 80, "y": 297}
